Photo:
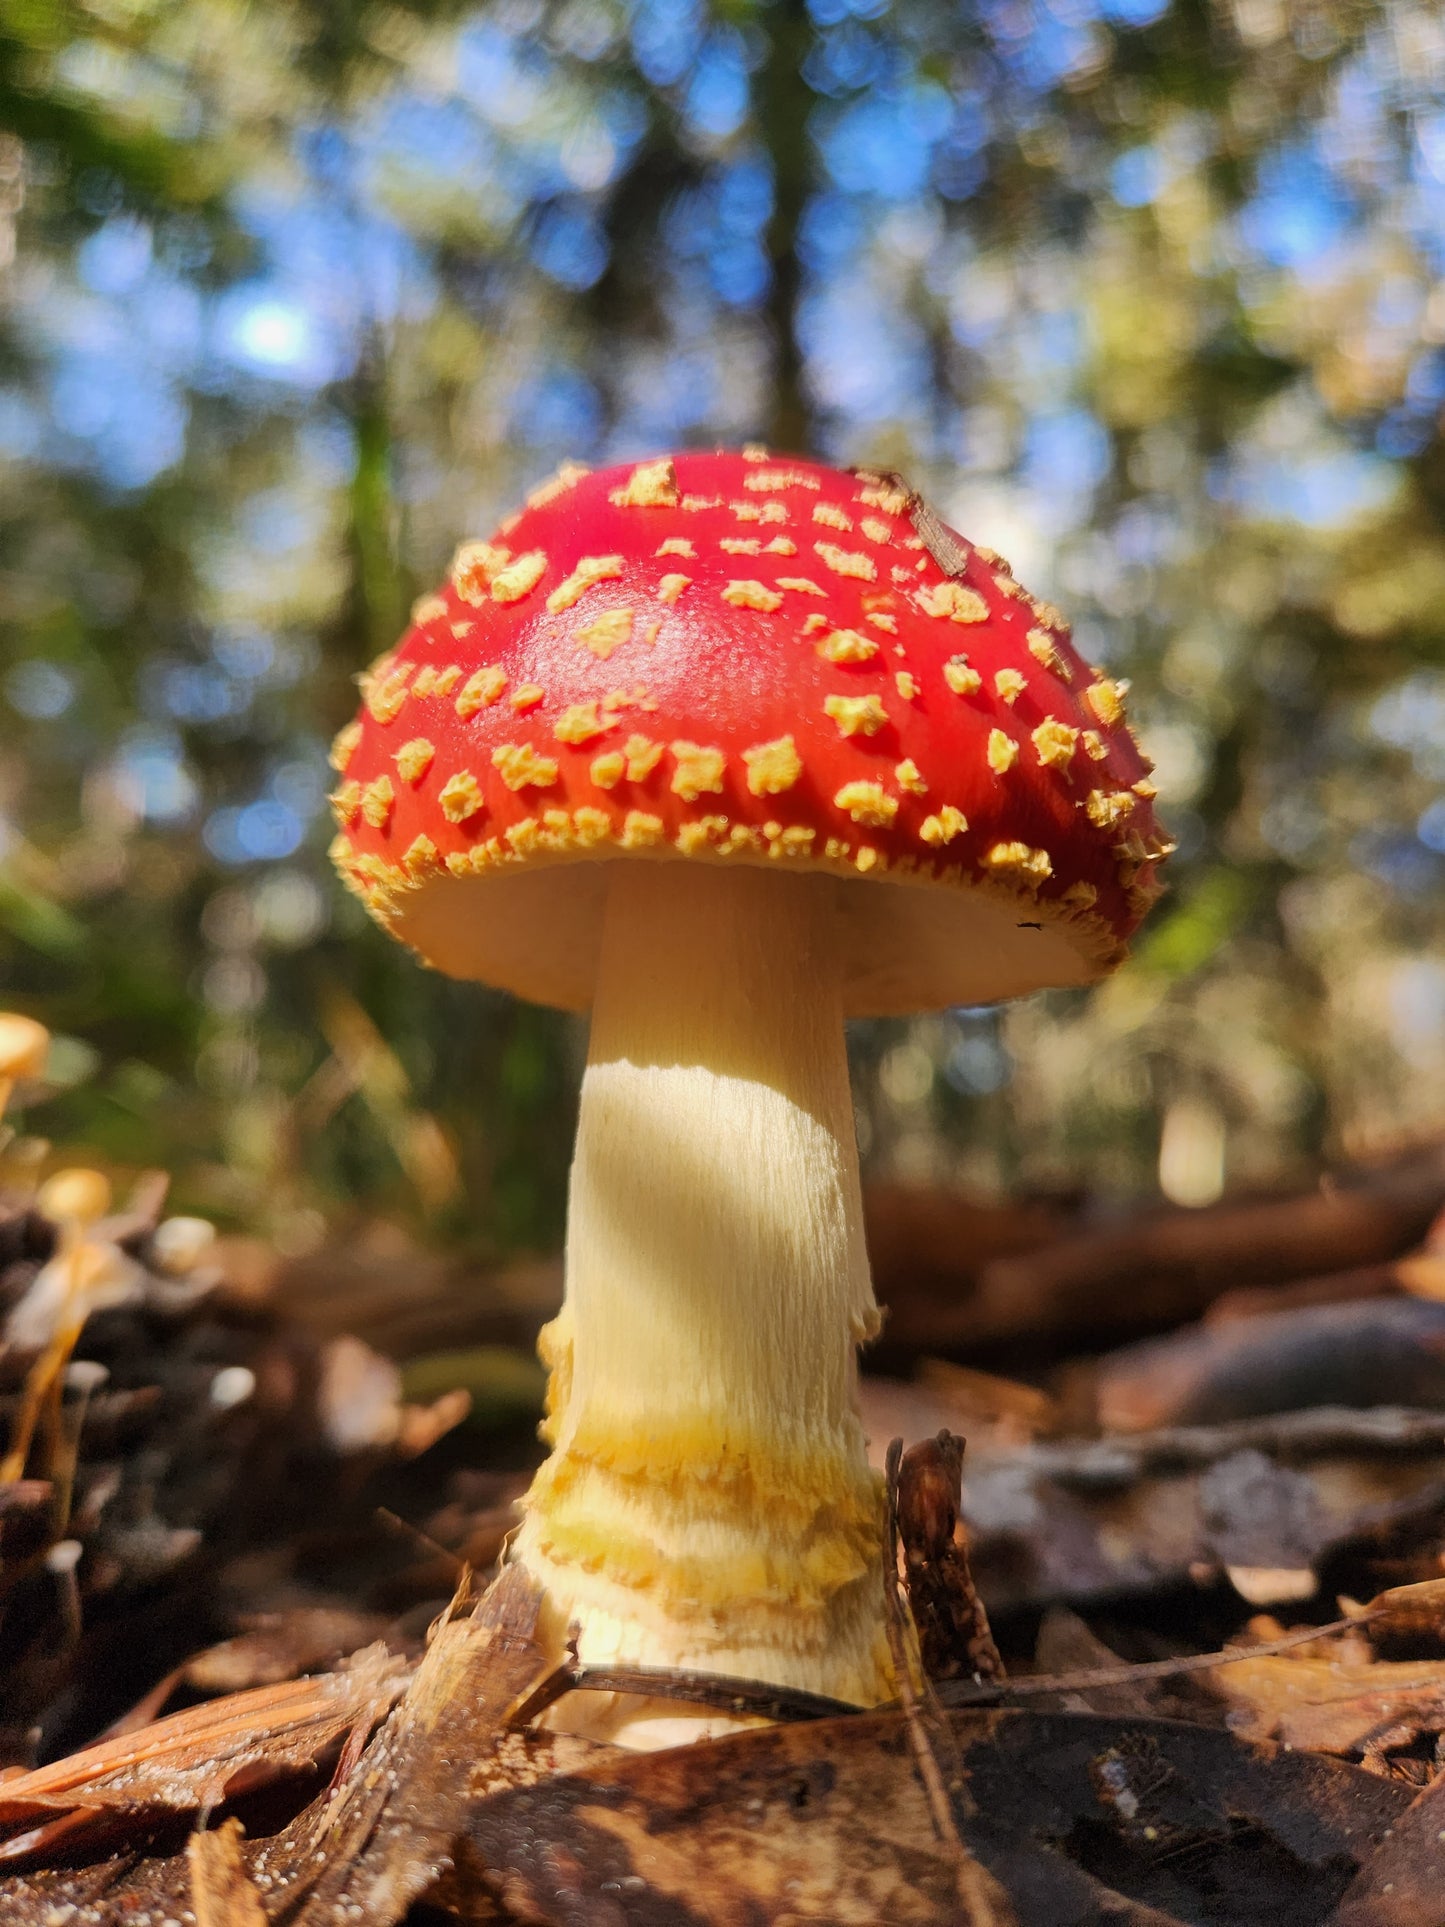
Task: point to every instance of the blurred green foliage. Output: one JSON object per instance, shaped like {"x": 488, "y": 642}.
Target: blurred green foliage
{"x": 1150, "y": 294}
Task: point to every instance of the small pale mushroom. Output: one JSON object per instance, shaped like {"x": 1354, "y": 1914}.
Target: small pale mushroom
{"x": 24, "y": 1047}
{"x": 723, "y": 837}
{"x": 86, "y": 1273}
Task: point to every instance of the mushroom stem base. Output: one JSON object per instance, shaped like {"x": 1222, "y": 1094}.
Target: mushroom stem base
{"x": 708, "y": 1503}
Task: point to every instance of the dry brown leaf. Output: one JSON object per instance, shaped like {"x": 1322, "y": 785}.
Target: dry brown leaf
{"x": 1080, "y": 1819}
{"x": 1399, "y": 1885}
{"x": 390, "y": 1831}
{"x": 208, "y": 1753}
{"x": 272, "y": 1647}
{"x": 1332, "y": 1706}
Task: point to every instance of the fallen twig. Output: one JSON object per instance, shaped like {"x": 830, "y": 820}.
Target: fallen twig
{"x": 929, "y": 1733}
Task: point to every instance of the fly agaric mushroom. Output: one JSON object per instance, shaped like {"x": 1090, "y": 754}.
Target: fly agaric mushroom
{"x": 726, "y": 749}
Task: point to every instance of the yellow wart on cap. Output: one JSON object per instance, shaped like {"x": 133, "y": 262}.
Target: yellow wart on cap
{"x": 345, "y": 803}
{"x": 856, "y": 715}
{"x": 1003, "y": 752}
{"x": 800, "y": 585}
{"x": 608, "y": 769}
{"x": 385, "y": 696}
{"x": 846, "y": 645}
{"x": 651, "y": 485}
{"x": 376, "y": 801}
{"x": 606, "y": 632}
{"x": 832, "y": 517}
{"x": 752, "y": 595}
{"x": 672, "y": 586}
{"x": 590, "y": 569}
{"x": 885, "y": 495}
{"x": 481, "y": 689}
{"x": 420, "y": 854}
{"x": 741, "y": 544}
{"x": 880, "y": 620}
{"x": 1094, "y": 745}
{"x": 642, "y": 757}
{"x": 641, "y": 831}
{"x": 1105, "y": 808}
{"x": 910, "y": 777}
{"x": 699, "y": 833}
{"x": 1083, "y": 896}
{"x": 875, "y": 530}
{"x": 524, "y": 838}
{"x": 522, "y": 767}
{"x": 675, "y": 545}
{"x": 567, "y": 476}
{"x": 906, "y": 685}
{"x": 527, "y": 696}
{"x": 519, "y": 578}
{"x": 414, "y": 759}
{"x": 473, "y": 566}
{"x": 1105, "y": 699}
{"x": 1032, "y": 867}
{"x": 592, "y": 826}
{"x": 847, "y": 562}
{"x": 944, "y": 827}
{"x": 867, "y": 803}
{"x": 634, "y": 698}
{"x": 792, "y": 839}
{"x": 343, "y": 747}
{"x": 580, "y": 723}
{"x": 952, "y": 602}
{"x": 1054, "y": 741}
{"x": 773, "y": 767}
{"x": 765, "y": 480}
{"x": 427, "y": 608}
{"x": 699, "y": 768}
{"x": 460, "y": 797}
{"x": 781, "y": 545}
{"x": 1009, "y": 685}
{"x": 1045, "y": 650}
{"x": 961, "y": 676}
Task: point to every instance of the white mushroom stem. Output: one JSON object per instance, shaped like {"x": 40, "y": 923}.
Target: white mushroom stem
{"x": 708, "y": 1503}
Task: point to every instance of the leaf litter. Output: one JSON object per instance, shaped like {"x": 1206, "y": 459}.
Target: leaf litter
{"x": 998, "y": 1816}
{"x": 1282, "y": 1769}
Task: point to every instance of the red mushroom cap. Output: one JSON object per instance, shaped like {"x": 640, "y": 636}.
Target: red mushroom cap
{"x": 736, "y": 658}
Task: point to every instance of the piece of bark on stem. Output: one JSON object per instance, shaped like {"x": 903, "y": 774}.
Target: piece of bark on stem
{"x": 953, "y": 1630}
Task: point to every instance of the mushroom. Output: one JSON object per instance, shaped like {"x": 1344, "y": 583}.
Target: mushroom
{"x": 87, "y": 1272}
{"x": 24, "y": 1047}
{"x": 727, "y": 749}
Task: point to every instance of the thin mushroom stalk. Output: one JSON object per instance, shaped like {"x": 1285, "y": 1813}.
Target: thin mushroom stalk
{"x": 708, "y": 1503}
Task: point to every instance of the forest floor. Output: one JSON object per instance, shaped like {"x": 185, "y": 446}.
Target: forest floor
{"x": 1181, "y": 1661}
